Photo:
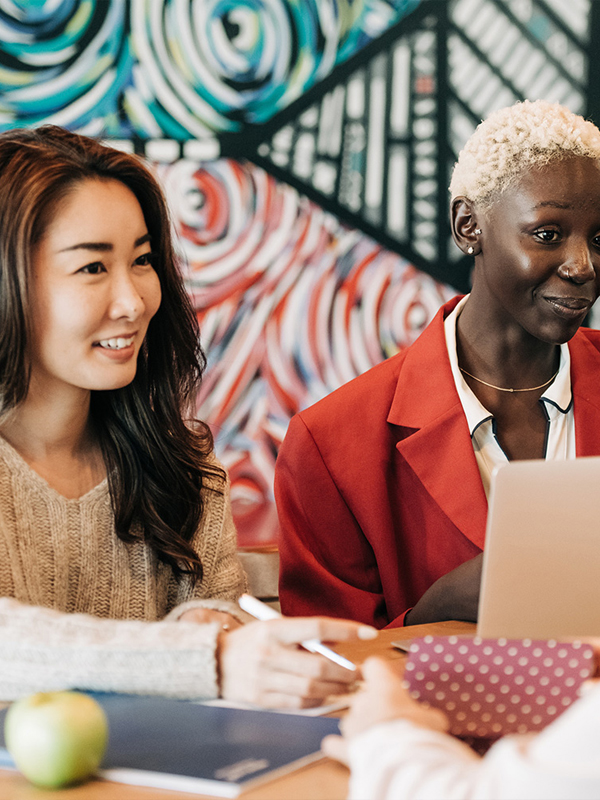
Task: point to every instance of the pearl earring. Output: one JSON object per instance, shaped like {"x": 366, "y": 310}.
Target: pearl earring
{"x": 470, "y": 250}
{"x": 477, "y": 231}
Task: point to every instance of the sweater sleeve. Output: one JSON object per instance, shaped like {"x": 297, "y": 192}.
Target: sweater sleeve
{"x": 45, "y": 650}
{"x": 402, "y": 761}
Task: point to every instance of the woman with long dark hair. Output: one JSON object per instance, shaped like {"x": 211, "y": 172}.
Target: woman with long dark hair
{"x": 118, "y": 567}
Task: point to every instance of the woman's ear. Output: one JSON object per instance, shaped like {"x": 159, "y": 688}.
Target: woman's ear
{"x": 465, "y": 231}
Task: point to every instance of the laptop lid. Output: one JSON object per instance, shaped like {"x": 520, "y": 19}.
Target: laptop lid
{"x": 541, "y": 565}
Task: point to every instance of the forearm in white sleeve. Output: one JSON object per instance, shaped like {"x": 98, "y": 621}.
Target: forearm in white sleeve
{"x": 401, "y": 761}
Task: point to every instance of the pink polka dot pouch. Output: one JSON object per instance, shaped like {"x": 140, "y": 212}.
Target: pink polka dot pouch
{"x": 490, "y": 687}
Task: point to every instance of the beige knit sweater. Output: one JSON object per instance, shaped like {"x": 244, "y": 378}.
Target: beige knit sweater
{"x": 81, "y": 608}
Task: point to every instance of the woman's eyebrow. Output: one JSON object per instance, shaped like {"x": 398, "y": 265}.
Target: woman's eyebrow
{"x": 103, "y": 247}
{"x": 553, "y": 204}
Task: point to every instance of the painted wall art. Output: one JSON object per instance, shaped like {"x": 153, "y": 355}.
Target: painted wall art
{"x": 305, "y": 147}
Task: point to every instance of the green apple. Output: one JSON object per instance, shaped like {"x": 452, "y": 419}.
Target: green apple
{"x": 56, "y": 738}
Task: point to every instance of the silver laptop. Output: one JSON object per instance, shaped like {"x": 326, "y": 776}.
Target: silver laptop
{"x": 541, "y": 566}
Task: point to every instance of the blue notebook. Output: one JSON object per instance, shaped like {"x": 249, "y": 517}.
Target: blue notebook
{"x": 189, "y": 747}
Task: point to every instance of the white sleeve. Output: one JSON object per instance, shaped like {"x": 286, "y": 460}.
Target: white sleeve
{"x": 401, "y": 761}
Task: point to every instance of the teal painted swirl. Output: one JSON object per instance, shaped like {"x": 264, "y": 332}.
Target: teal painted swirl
{"x": 209, "y": 66}
{"x": 173, "y": 68}
{"x": 64, "y": 62}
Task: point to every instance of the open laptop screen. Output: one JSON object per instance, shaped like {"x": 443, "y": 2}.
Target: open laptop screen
{"x": 541, "y": 566}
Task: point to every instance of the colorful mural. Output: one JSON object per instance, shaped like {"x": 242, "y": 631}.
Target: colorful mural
{"x": 173, "y": 68}
{"x": 305, "y": 147}
{"x": 291, "y": 305}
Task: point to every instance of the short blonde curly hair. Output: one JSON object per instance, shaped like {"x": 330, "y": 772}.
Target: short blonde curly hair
{"x": 527, "y": 134}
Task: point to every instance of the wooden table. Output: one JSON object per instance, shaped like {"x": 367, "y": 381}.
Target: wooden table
{"x": 325, "y": 780}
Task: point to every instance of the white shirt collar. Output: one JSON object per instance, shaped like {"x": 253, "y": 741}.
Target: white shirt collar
{"x": 557, "y": 397}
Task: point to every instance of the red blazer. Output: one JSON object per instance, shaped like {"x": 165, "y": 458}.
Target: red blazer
{"x": 377, "y": 486}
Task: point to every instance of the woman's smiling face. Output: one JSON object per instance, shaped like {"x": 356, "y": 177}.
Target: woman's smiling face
{"x": 540, "y": 250}
{"x": 94, "y": 289}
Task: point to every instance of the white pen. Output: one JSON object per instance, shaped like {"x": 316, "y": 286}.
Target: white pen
{"x": 256, "y": 608}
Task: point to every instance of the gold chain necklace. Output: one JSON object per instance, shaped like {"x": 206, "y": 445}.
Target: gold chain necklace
{"x": 502, "y": 389}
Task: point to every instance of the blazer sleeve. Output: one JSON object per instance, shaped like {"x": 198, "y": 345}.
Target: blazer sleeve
{"x": 327, "y": 566}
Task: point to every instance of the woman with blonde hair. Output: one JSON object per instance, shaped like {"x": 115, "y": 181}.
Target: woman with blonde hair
{"x": 382, "y": 486}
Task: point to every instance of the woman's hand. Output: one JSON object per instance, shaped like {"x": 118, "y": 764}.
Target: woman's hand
{"x": 454, "y": 596}
{"x": 262, "y": 663}
{"x": 202, "y": 615}
{"x": 383, "y": 698}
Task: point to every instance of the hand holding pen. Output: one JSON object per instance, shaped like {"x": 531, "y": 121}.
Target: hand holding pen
{"x": 256, "y": 608}
{"x": 262, "y": 663}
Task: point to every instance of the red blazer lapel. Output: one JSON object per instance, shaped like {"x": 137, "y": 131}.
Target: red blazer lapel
{"x": 435, "y": 441}
{"x": 585, "y": 380}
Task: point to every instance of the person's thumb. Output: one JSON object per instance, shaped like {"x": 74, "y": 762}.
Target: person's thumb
{"x": 375, "y": 670}
{"x": 335, "y": 747}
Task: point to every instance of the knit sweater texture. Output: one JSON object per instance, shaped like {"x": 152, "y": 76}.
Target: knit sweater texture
{"x": 81, "y": 608}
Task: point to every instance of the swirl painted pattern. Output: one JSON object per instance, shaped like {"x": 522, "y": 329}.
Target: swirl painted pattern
{"x": 209, "y": 65}
{"x": 182, "y": 69}
{"x": 291, "y": 305}
{"x": 64, "y": 62}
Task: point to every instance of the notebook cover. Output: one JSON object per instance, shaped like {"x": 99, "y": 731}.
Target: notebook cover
{"x": 183, "y": 746}
{"x": 491, "y": 687}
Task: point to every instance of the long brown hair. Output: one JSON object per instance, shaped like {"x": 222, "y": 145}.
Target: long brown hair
{"x": 157, "y": 463}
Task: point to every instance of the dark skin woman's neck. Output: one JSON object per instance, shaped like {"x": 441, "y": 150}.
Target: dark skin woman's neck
{"x": 507, "y": 357}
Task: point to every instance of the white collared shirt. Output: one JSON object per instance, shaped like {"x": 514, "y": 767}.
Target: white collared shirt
{"x": 556, "y": 401}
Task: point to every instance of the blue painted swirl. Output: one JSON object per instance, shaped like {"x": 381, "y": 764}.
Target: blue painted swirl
{"x": 209, "y": 66}
{"x": 65, "y": 63}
